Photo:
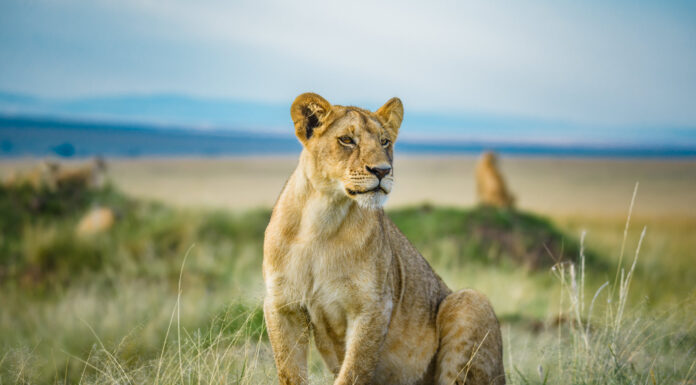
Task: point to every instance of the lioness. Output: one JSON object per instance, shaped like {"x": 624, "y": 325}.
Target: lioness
{"x": 490, "y": 184}
{"x": 336, "y": 266}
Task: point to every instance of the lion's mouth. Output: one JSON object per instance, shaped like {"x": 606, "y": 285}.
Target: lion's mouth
{"x": 377, "y": 188}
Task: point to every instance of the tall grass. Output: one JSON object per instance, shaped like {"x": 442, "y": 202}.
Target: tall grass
{"x": 595, "y": 338}
{"x": 156, "y": 311}
{"x": 586, "y": 344}
{"x": 609, "y": 343}
{"x": 616, "y": 345}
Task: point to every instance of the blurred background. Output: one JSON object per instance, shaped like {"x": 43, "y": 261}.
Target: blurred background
{"x": 143, "y": 144}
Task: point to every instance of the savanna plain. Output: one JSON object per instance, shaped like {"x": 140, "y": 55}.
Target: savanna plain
{"x": 593, "y": 275}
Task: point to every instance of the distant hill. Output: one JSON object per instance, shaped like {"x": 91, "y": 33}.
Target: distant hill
{"x": 453, "y": 131}
{"x": 170, "y": 110}
{"x": 31, "y": 136}
{"x": 52, "y": 137}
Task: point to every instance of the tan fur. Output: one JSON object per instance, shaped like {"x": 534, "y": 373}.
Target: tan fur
{"x": 336, "y": 268}
{"x": 97, "y": 220}
{"x": 490, "y": 185}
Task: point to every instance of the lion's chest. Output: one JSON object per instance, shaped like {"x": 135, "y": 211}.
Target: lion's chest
{"x": 333, "y": 284}
{"x": 322, "y": 277}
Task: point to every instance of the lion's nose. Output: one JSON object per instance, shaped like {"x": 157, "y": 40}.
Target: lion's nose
{"x": 380, "y": 172}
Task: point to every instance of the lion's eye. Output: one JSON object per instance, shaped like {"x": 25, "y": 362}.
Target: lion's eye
{"x": 385, "y": 142}
{"x": 346, "y": 140}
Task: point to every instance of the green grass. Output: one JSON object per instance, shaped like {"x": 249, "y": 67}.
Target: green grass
{"x": 173, "y": 296}
{"x": 487, "y": 235}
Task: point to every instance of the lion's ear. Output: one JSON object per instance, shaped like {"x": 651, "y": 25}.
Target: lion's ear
{"x": 392, "y": 113}
{"x": 309, "y": 112}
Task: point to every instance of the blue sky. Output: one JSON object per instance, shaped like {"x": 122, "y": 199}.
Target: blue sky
{"x": 604, "y": 70}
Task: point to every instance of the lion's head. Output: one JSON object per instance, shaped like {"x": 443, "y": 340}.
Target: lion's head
{"x": 349, "y": 150}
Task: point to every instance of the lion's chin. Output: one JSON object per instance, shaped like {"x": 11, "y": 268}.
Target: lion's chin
{"x": 371, "y": 200}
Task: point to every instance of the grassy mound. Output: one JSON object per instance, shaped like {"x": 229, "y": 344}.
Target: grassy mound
{"x": 40, "y": 247}
{"x": 487, "y": 235}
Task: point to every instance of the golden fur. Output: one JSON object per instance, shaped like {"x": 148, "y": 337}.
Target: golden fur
{"x": 490, "y": 185}
{"x": 337, "y": 268}
{"x": 97, "y": 220}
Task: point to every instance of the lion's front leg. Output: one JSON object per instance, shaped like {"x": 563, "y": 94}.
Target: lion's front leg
{"x": 366, "y": 335}
{"x": 288, "y": 331}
